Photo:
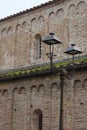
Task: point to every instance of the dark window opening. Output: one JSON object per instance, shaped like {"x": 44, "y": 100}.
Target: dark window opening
{"x": 40, "y": 122}
{"x": 37, "y": 119}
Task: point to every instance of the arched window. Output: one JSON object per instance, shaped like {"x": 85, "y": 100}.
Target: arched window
{"x": 37, "y": 120}
{"x": 38, "y": 46}
{"x": 40, "y": 121}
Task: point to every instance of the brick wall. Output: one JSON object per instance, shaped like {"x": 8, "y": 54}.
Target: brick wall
{"x": 67, "y": 19}
{"x": 22, "y": 100}
{"x": 19, "y": 99}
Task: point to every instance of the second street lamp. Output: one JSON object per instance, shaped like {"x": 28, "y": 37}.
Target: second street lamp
{"x": 73, "y": 50}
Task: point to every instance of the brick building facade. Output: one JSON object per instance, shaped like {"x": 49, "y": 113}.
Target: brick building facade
{"x": 32, "y": 102}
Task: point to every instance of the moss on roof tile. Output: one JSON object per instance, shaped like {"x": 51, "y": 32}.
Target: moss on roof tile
{"x": 36, "y": 70}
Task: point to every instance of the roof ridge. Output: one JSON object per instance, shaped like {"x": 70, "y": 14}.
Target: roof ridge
{"x": 28, "y": 10}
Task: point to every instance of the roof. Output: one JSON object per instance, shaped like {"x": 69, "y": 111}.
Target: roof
{"x": 29, "y": 10}
{"x": 43, "y": 69}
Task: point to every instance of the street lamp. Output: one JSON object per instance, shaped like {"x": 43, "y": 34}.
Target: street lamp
{"x": 51, "y": 40}
{"x": 73, "y": 50}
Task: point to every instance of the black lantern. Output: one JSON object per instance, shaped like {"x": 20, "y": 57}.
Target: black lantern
{"x": 51, "y": 40}
{"x": 73, "y": 50}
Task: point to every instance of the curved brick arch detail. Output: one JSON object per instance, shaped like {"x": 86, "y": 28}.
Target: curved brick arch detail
{"x": 60, "y": 15}
{"x": 5, "y": 93}
{"x": 37, "y": 111}
{"x": 41, "y": 22}
{"x": 22, "y": 90}
{"x": 18, "y": 27}
{"x": 54, "y": 86}
{"x": 15, "y": 90}
{"x": 37, "y": 35}
{"x": 25, "y": 28}
{"x": 33, "y": 21}
{"x": 82, "y": 7}
{"x": 24, "y": 24}
{"x": 51, "y": 20}
{"x": 41, "y": 88}
{"x": 33, "y": 24}
{"x": 85, "y": 83}
{"x": 76, "y": 81}
{"x": 10, "y": 29}
{"x": 34, "y": 88}
{"x": 41, "y": 18}
{"x": 72, "y": 10}
{"x": 4, "y": 31}
{"x": 77, "y": 84}
{"x": 51, "y": 14}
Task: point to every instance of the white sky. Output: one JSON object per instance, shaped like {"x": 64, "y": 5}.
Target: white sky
{"x": 8, "y": 7}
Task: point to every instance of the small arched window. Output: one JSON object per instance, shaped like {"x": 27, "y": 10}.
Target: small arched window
{"x": 38, "y": 46}
{"x": 40, "y": 121}
{"x": 37, "y": 120}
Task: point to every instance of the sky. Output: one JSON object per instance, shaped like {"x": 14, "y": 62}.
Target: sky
{"x": 9, "y": 7}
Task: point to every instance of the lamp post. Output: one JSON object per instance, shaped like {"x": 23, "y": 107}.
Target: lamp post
{"x": 73, "y": 50}
{"x": 51, "y": 40}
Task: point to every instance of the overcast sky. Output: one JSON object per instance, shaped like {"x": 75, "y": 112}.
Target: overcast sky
{"x": 8, "y": 7}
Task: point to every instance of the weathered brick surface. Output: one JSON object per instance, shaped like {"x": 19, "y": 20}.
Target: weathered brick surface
{"x": 67, "y": 19}
{"x": 20, "y": 98}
